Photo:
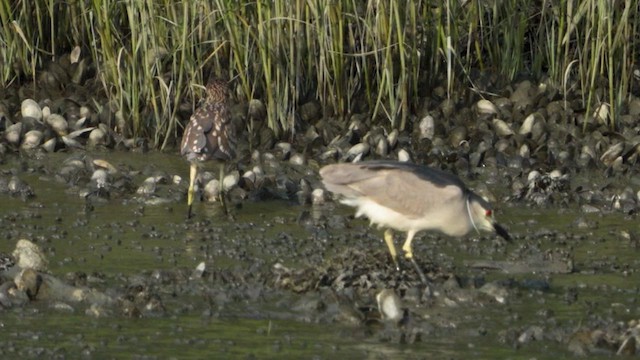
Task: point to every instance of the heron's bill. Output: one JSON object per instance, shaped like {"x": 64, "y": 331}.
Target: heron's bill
{"x": 502, "y": 232}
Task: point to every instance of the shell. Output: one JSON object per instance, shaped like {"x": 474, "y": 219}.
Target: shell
{"x": 612, "y": 153}
{"x": 13, "y": 134}
{"x": 502, "y": 128}
{"x": 30, "y": 108}
{"x": 486, "y": 107}
{"x": 212, "y": 190}
{"x": 404, "y": 156}
{"x": 230, "y": 181}
{"x": 97, "y": 137}
{"x": 298, "y": 159}
{"x": 58, "y": 124}
{"x": 104, "y": 164}
{"x": 50, "y": 145}
{"x": 527, "y": 124}
{"x": 357, "y": 151}
{"x": 389, "y": 305}
{"x": 382, "y": 148}
{"x": 148, "y": 186}
{"x": 32, "y": 139}
{"x": 392, "y": 138}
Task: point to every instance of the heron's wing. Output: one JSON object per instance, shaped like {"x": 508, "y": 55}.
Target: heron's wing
{"x": 204, "y": 117}
{"x": 409, "y": 194}
{"x": 194, "y": 139}
{"x": 222, "y": 135}
{"x": 408, "y": 189}
{"x": 432, "y": 175}
{"x": 340, "y": 178}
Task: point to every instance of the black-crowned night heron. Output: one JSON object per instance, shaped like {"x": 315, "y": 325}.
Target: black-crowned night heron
{"x": 410, "y": 198}
{"x": 209, "y": 134}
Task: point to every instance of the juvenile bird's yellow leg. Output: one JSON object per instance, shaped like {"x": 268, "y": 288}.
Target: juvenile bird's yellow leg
{"x": 388, "y": 238}
{"x": 193, "y": 173}
{"x": 221, "y": 192}
{"x": 408, "y": 253}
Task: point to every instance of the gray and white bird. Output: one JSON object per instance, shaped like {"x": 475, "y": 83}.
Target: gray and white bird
{"x": 410, "y": 198}
{"x": 209, "y": 134}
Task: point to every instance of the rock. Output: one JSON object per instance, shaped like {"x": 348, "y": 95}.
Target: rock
{"x": 310, "y": 111}
{"x": 389, "y": 305}
{"x": 427, "y": 128}
{"x": 257, "y": 110}
{"x": 198, "y": 272}
{"x": 148, "y": 187}
{"x": 318, "y": 197}
{"x": 29, "y": 256}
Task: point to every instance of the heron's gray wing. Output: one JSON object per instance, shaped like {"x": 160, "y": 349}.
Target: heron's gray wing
{"x": 432, "y": 175}
{"x": 339, "y": 178}
{"x": 408, "y": 193}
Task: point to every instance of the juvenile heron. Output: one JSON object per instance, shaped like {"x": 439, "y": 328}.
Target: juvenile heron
{"x": 410, "y": 198}
{"x": 209, "y": 134}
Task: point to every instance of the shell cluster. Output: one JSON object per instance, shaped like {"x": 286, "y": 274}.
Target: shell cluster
{"x": 529, "y": 138}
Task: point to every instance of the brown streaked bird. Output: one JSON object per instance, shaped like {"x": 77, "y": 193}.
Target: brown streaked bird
{"x": 209, "y": 134}
{"x": 408, "y": 197}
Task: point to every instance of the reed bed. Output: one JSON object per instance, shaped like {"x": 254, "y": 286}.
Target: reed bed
{"x": 379, "y": 57}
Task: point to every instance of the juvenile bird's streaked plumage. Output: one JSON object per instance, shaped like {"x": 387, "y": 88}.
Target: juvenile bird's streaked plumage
{"x": 410, "y": 198}
{"x": 209, "y": 133}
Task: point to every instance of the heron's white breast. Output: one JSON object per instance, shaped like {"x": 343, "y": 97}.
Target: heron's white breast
{"x": 452, "y": 223}
{"x": 386, "y": 217}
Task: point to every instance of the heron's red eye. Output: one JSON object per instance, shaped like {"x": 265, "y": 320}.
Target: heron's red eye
{"x": 488, "y": 213}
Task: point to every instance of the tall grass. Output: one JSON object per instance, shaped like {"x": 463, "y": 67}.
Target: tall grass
{"x": 152, "y": 56}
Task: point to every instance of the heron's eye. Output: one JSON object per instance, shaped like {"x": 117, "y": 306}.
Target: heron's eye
{"x": 488, "y": 213}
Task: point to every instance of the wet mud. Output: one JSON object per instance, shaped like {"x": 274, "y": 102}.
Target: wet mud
{"x": 275, "y": 278}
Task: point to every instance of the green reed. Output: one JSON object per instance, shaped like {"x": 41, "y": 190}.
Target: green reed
{"x": 380, "y": 57}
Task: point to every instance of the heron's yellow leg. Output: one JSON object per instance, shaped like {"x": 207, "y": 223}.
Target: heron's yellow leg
{"x": 388, "y": 238}
{"x": 221, "y": 191}
{"x": 193, "y": 173}
{"x": 406, "y": 247}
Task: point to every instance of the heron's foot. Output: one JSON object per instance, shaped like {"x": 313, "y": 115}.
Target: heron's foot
{"x": 423, "y": 278}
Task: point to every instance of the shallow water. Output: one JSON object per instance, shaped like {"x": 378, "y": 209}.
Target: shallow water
{"x": 121, "y": 239}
